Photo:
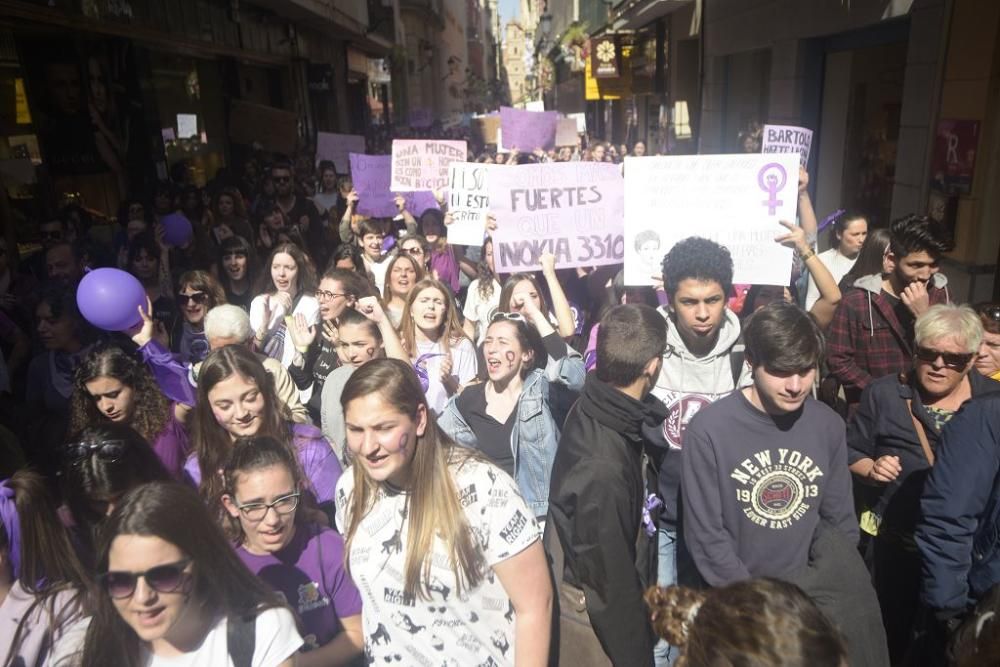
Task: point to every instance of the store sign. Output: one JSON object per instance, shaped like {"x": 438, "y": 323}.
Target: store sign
{"x": 614, "y": 88}
{"x": 954, "y": 161}
{"x": 605, "y": 55}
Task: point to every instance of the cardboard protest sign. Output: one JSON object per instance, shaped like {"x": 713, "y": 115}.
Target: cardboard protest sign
{"x": 735, "y": 200}
{"x": 581, "y": 121}
{"x": 275, "y": 130}
{"x": 485, "y": 128}
{"x": 468, "y": 201}
{"x": 566, "y": 132}
{"x": 570, "y": 209}
{"x": 371, "y": 175}
{"x": 787, "y": 139}
{"x": 528, "y": 130}
{"x": 422, "y": 164}
{"x": 337, "y": 148}
{"x": 535, "y": 105}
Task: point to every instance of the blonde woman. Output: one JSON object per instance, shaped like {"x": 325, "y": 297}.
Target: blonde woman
{"x": 446, "y": 554}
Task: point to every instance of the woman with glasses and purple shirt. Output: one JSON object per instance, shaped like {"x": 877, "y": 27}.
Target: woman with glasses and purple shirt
{"x": 174, "y": 592}
{"x": 304, "y": 561}
{"x": 199, "y": 293}
{"x": 43, "y": 586}
{"x": 890, "y": 449}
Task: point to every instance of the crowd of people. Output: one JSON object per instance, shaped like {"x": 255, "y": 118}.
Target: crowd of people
{"x": 336, "y": 440}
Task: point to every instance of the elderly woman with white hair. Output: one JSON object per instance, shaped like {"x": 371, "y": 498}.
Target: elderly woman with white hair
{"x": 891, "y": 440}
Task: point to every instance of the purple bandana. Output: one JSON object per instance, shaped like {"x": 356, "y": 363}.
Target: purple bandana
{"x": 11, "y": 525}
{"x": 652, "y": 502}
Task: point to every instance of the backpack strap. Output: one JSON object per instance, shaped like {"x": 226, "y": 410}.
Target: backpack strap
{"x": 921, "y": 433}
{"x": 241, "y": 638}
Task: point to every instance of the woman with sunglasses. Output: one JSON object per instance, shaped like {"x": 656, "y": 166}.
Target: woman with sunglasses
{"x": 100, "y": 466}
{"x": 508, "y": 418}
{"x": 429, "y": 521}
{"x": 285, "y": 289}
{"x": 316, "y": 346}
{"x": 236, "y": 399}
{"x": 988, "y": 357}
{"x": 403, "y": 273}
{"x": 295, "y": 556}
{"x": 174, "y": 592}
{"x": 887, "y": 453}
{"x": 43, "y": 587}
{"x": 113, "y": 386}
{"x": 432, "y": 335}
{"x": 237, "y": 270}
{"x": 199, "y": 293}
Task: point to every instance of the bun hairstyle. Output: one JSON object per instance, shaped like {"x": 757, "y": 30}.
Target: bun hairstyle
{"x": 752, "y": 623}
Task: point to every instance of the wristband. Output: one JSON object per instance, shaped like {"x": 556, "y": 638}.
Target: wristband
{"x": 807, "y": 255}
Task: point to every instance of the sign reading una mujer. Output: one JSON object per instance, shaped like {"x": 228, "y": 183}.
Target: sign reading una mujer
{"x": 370, "y": 174}
{"x": 570, "y": 209}
{"x": 735, "y": 200}
{"x": 422, "y": 164}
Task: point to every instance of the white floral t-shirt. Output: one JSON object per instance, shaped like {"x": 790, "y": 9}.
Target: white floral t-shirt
{"x": 475, "y": 629}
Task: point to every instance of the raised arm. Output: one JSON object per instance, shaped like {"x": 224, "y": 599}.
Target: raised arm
{"x": 560, "y": 304}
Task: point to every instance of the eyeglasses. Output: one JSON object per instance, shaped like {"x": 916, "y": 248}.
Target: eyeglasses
{"x": 198, "y": 297}
{"x": 282, "y": 505}
{"x": 108, "y": 450}
{"x": 162, "y": 579}
{"x": 507, "y": 317}
{"x": 414, "y": 251}
{"x": 324, "y": 295}
{"x": 953, "y": 360}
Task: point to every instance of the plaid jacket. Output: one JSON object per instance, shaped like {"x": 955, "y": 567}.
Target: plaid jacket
{"x": 866, "y": 340}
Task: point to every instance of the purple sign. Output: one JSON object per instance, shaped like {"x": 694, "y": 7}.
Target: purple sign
{"x": 528, "y": 130}
{"x": 420, "y": 118}
{"x": 371, "y": 175}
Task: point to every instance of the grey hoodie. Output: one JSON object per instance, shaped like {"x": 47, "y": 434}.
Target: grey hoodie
{"x": 687, "y": 384}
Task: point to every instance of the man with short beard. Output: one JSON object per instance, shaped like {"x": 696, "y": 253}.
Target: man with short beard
{"x": 872, "y": 331}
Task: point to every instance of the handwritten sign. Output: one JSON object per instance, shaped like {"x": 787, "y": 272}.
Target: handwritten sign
{"x": 735, "y": 200}
{"x": 570, "y": 209}
{"x": 528, "y": 130}
{"x": 337, "y": 148}
{"x": 422, "y": 164}
{"x": 371, "y": 175}
{"x": 468, "y": 201}
{"x": 787, "y": 139}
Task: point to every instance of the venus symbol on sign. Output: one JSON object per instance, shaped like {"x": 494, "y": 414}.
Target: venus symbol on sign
{"x": 771, "y": 179}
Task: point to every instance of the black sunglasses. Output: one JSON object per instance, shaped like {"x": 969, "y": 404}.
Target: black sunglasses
{"x": 953, "y": 360}
{"x": 109, "y": 450}
{"x": 198, "y": 297}
{"x": 990, "y": 312}
{"x": 162, "y": 579}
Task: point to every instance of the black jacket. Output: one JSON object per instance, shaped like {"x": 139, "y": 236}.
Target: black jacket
{"x": 882, "y": 426}
{"x": 596, "y": 499}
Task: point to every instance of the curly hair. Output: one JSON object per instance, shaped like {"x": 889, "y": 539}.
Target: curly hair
{"x": 152, "y": 408}
{"x": 699, "y": 259}
{"x": 754, "y": 623}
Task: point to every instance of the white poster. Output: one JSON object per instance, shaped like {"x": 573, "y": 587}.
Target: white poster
{"x": 468, "y": 201}
{"x": 736, "y": 200}
{"x": 787, "y": 139}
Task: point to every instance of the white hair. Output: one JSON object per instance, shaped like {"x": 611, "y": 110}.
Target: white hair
{"x": 227, "y": 321}
{"x": 946, "y": 320}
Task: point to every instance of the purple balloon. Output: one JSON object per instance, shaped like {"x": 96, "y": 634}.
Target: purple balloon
{"x": 109, "y": 299}
{"x": 177, "y": 229}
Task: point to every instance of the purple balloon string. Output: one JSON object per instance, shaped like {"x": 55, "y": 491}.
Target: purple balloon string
{"x": 830, "y": 219}
{"x": 652, "y": 502}
{"x": 11, "y": 525}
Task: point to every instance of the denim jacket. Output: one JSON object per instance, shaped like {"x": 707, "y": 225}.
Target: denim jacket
{"x": 535, "y": 436}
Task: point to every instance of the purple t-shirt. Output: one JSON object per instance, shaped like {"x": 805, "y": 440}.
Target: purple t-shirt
{"x": 310, "y": 573}
{"x": 319, "y": 463}
{"x": 171, "y": 445}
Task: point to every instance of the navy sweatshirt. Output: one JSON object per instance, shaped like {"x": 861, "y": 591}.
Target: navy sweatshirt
{"x": 755, "y": 487}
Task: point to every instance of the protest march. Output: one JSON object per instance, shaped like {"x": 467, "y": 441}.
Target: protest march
{"x": 497, "y": 392}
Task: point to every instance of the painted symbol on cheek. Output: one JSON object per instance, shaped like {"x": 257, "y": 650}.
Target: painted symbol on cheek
{"x": 370, "y": 351}
{"x": 510, "y": 358}
{"x": 404, "y": 440}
